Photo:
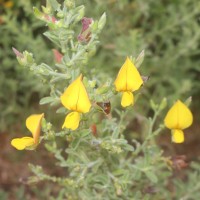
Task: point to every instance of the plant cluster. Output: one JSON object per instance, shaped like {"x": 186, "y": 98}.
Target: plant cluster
{"x": 98, "y": 161}
{"x": 169, "y": 33}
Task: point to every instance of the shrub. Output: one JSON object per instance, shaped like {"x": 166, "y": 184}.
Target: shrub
{"x": 98, "y": 160}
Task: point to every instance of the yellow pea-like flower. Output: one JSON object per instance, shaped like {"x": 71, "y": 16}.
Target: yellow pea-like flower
{"x": 128, "y": 80}
{"x": 178, "y": 118}
{"x": 75, "y": 98}
{"x": 33, "y": 123}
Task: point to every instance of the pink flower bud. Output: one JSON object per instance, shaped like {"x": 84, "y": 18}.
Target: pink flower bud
{"x": 51, "y": 19}
{"x": 17, "y": 53}
{"x": 57, "y": 56}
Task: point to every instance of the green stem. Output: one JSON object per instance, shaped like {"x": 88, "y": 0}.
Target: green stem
{"x": 150, "y": 133}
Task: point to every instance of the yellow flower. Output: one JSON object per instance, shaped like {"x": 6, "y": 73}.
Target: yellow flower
{"x": 75, "y": 98}
{"x": 179, "y": 117}
{"x": 128, "y": 80}
{"x": 6, "y": 4}
{"x": 33, "y": 123}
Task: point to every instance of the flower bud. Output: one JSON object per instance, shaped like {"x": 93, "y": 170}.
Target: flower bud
{"x": 25, "y": 58}
{"x": 163, "y": 104}
{"x": 38, "y": 13}
{"x": 80, "y": 13}
{"x": 57, "y": 56}
{"x": 153, "y": 105}
{"x": 69, "y": 4}
{"x": 102, "y": 22}
{"x": 85, "y": 34}
{"x": 47, "y": 9}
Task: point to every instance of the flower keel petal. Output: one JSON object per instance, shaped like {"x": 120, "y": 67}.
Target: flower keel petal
{"x": 22, "y": 143}
{"x": 177, "y": 136}
{"x": 72, "y": 121}
{"x": 127, "y": 99}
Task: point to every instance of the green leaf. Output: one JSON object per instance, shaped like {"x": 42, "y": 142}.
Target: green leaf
{"x": 52, "y": 37}
{"x": 75, "y": 143}
{"x": 140, "y": 59}
{"x": 188, "y": 101}
{"x": 38, "y": 13}
{"x": 61, "y": 110}
{"x": 128, "y": 147}
{"x": 102, "y": 22}
{"x": 46, "y": 100}
{"x": 151, "y": 176}
{"x": 55, "y": 5}
{"x": 153, "y": 105}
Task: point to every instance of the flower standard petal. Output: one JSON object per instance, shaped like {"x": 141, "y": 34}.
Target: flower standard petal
{"x": 72, "y": 121}
{"x": 178, "y": 117}
{"x": 128, "y": 78}
{"x": 127, "y": 99}
{"x": 177, "y": 136}
{"x": 70, "y": 97}
{"x": 83, "y": 103}
{"x": 33, "y": 123}
{"x": 75, "y": 97}
{"x": 22, "y": 143}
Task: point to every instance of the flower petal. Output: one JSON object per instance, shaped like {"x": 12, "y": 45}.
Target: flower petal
{"x": 72, "y": 121}
{"x": 177, "y": 136}
{"x": 33, "y": 123}
{"x": 75, "y": 97}
{"x": 85, "y": 34}
{"x": 128, "y": 78}
{"x": 178, "y": 117}
{"x": 22, "y": 143}
{"x": 127, "y": 99}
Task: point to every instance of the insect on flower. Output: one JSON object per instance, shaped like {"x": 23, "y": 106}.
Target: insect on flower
{"x": 33, "y": 123}
{"x": 128, "y": 80}
{"x": 75, "y": 98}
{"x": 178, "y": 118}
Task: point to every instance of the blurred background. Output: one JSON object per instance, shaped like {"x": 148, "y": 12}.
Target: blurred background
{"x": 168, "y": 31}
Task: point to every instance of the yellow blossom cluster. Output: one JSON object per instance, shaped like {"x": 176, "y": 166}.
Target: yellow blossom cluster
{"x": 75, "y": 98}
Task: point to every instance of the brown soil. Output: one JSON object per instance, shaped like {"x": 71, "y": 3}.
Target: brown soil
{"x": 14, "y": 169}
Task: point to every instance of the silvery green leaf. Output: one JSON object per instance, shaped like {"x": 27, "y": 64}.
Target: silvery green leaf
{"x": 102, "y": 22}
{"x": 61, "y": 110}
{"x": 46, "y": 100}
{"x": 151, "y": 176}
{"x": 140, "y": 59}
